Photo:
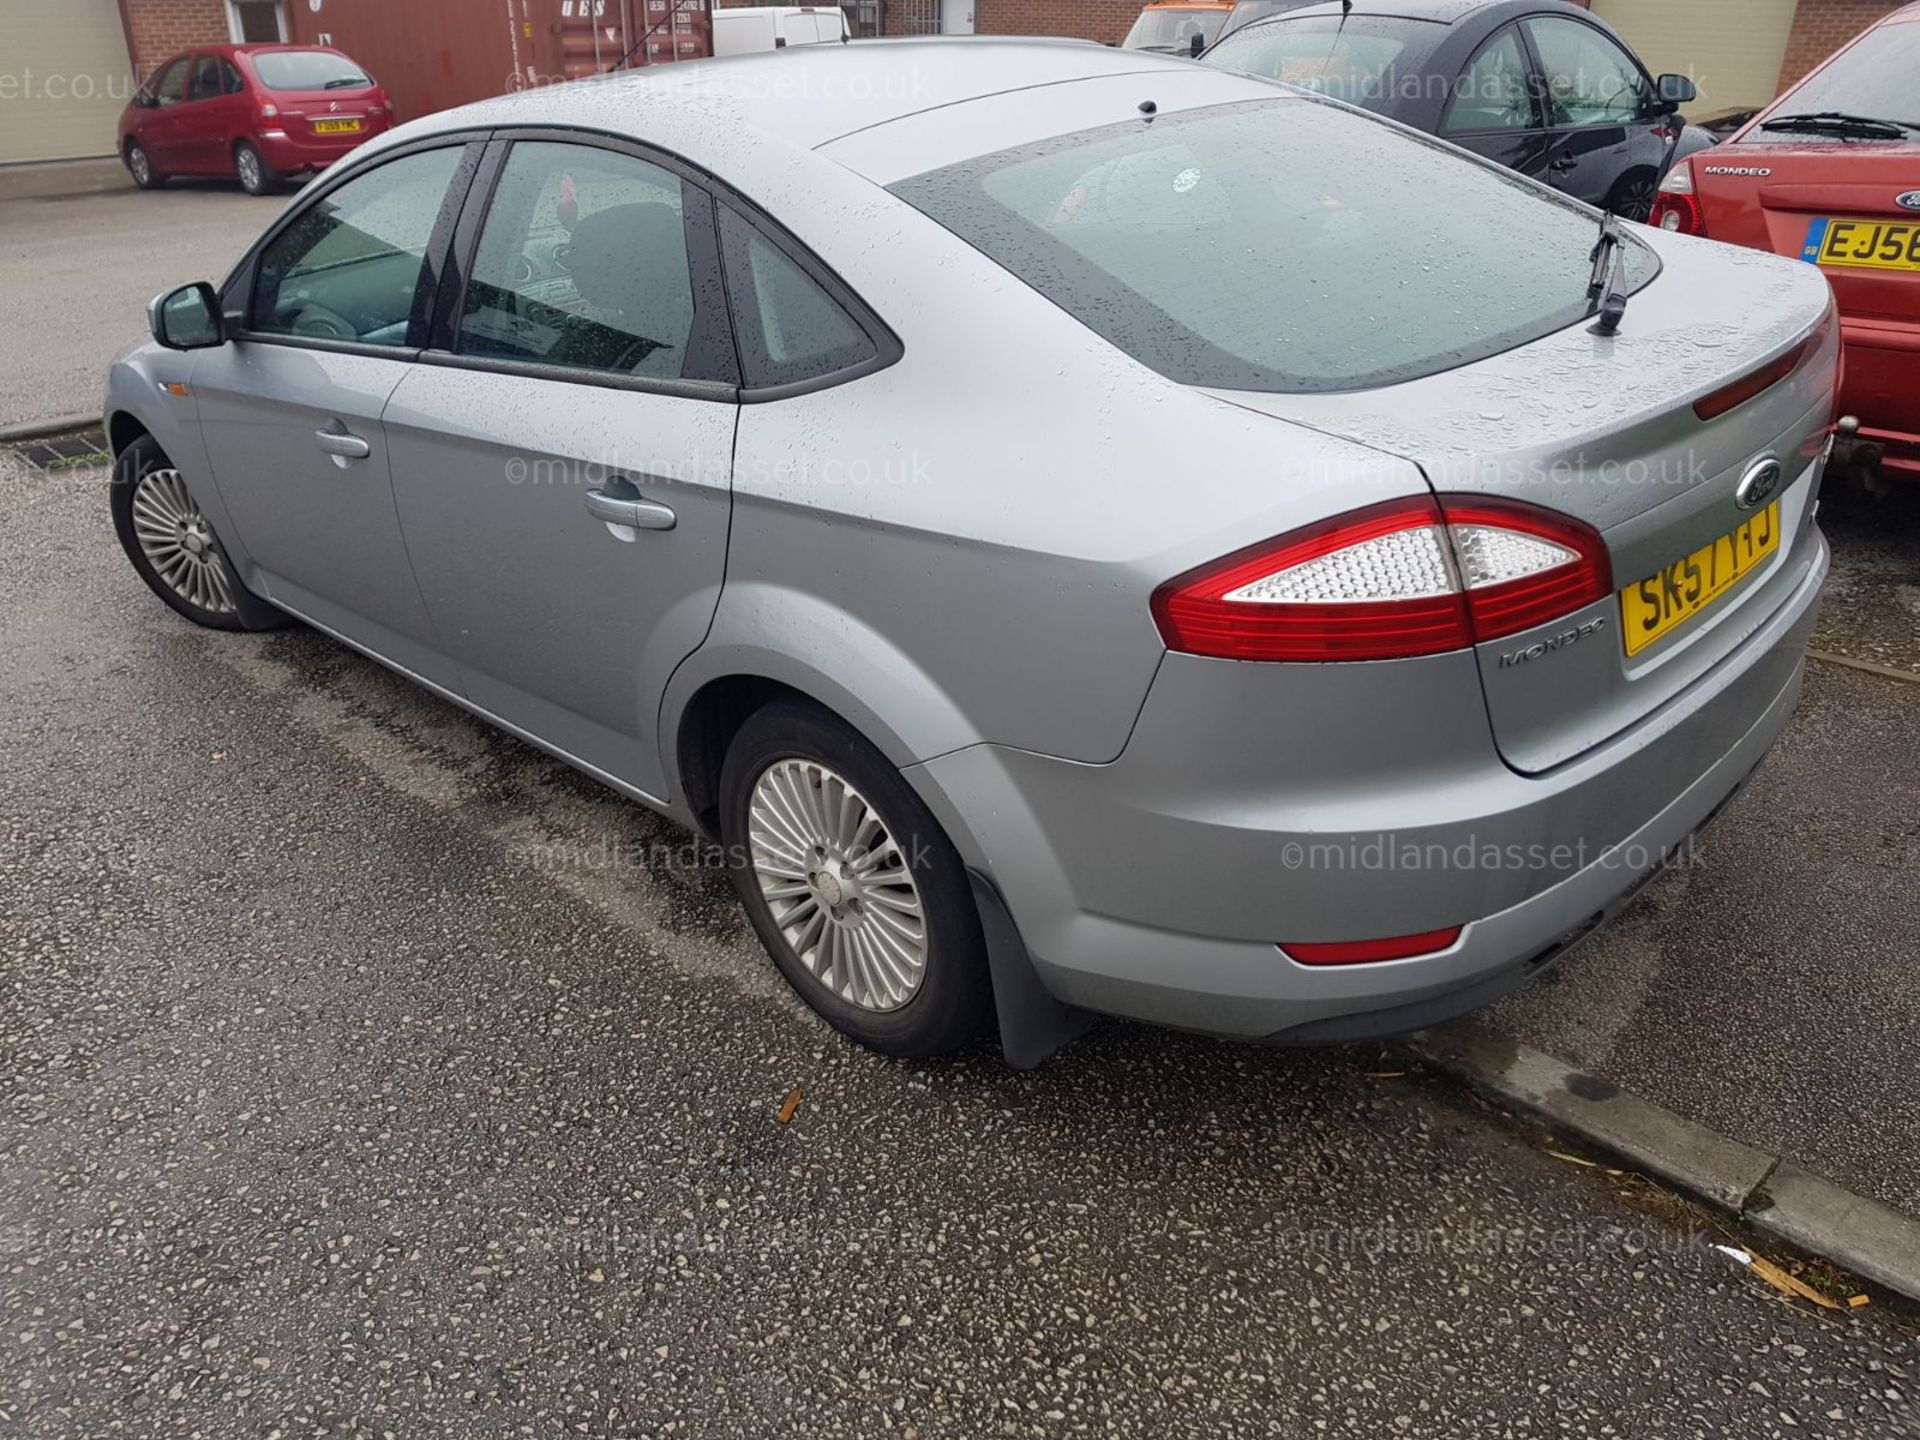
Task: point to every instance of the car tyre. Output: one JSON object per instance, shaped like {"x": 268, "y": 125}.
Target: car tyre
{"x": 174, "y": 549}
{"x": 1634, "y": 195}
{"x": 812, "y": 814}
{"x": 256, "y": 176}
{"x": 140, "y": 167}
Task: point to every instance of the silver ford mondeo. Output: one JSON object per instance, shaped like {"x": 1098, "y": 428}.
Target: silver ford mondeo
{"x": 1085, "y": 532}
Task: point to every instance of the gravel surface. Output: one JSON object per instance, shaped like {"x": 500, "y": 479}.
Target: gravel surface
{"x": 1872, "y": 609}
{"x": 1770, "y": 986}
{"x": 364, "y": 1073}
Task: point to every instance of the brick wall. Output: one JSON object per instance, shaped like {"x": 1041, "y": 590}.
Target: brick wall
{"x": 157, "y": 29}
{"x": 1105, "y": 20}
{"x": 1821, "y": 27}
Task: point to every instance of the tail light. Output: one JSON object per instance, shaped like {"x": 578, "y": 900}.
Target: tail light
{"x": 1392, "y": 581}
{"x": 268, "y": 110}
{"x": 1371, "y": 952}
{"x": 1676, "y": 205}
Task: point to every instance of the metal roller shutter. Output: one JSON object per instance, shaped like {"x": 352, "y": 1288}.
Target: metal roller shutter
{"x": 67, "y": 78}
{"x": 1733, "y": 49}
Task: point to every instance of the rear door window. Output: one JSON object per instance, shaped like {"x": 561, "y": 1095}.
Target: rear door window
{"x": 1280, "y": 245}
{"x": 206, "y": 77}
{"x": 582, "y": 264}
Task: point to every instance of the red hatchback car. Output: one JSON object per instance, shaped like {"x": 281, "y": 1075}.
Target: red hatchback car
{"x": 258, "y": 112}
{"x": 1830, "y": 173}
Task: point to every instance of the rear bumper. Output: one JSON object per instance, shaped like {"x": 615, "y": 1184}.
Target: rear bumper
{"x": 287, "y": 152}
{"x": 1882, "y": 388}
{"x": 1157, "y": 886}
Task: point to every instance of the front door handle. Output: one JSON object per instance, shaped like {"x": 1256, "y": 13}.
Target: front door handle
{"x": 639, "y": 514}
{"x": 343, "y": 445}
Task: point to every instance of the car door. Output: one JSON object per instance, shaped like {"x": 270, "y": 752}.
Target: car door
{"x": 1494, "y": 109}
{"x": 161, "y": 133}
{"x": 336, "y": 303}
{"x": 198, "y": 119}
{"x": 563, "y": 456}
{"x": 1600, "y": 113}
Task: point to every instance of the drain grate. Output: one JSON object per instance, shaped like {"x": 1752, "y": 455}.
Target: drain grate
{"x": 64, "y": 452}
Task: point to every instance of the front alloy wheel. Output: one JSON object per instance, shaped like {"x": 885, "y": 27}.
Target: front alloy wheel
{"x": 178, "y": 542}
{"x": 173, "y": 546}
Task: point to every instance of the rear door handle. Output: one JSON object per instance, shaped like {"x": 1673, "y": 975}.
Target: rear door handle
{"x": 342, "y": 444}
{"x": 639, "y": 514}
{"x": 1563, "y": 163}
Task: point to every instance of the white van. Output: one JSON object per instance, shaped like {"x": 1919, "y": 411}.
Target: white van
{"x": 742, "y": 30}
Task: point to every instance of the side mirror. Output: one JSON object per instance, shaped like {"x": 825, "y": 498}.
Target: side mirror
{"x": 1195, "y": 46}
{"x": 188, "y": 318}
{"x": 144, "y": 99}
{"x": 1675, "y": 91}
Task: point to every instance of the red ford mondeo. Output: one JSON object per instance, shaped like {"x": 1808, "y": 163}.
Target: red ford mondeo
{"x": 1830, "y": 172}
{"x": 257, "y": 112}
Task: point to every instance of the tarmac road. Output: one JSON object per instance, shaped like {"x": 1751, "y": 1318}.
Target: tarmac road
{"x": 364, "y": 1073}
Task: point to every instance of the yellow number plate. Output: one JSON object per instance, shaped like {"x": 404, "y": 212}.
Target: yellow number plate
{"x": 335, "y": 127}
{"x": 1871, "y": 244}
{"x": 1662, "y": 603}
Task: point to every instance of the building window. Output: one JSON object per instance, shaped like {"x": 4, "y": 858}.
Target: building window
{"x": 253, "y": 22}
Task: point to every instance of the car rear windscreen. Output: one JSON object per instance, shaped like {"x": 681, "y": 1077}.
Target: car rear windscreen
{"x": 308, "y": 70}
{"x": 1280, "y": 245}
{"x": 1878, "y": 77}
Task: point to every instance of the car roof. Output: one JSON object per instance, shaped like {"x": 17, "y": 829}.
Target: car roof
{"x": 804, "y": 95}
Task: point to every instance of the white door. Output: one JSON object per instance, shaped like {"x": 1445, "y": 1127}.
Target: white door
{"x": 68, "y": 62}
{"x": 1732, "y": 49}
{"x": 956, "y": 17}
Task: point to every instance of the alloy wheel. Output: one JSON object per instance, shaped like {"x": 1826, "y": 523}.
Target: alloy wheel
{"x": 140, "y": 165}
{"x": 837, "y": 884}
{"x": 248, "y": 165}
{"x": 179, "y": 543}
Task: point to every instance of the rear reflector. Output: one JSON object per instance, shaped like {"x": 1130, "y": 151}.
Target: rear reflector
{"x": 1756, "y": 383}
{"x": 1391, "y": 581}
{"x": 1368, "y": 952}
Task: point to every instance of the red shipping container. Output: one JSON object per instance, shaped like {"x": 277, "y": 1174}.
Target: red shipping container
{"x": 434, "y": 54}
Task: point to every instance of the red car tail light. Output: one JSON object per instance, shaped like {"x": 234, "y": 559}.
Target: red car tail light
{"x": 1371, "y": 952}
{"x": 1389, "y": 582}
{"x": 1676, "y": 206}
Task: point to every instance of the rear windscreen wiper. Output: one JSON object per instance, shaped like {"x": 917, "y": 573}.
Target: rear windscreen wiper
{"x": 345, "y": 81}
{"x": 1841, "y": 121}
{"x": 1604, "y": 292}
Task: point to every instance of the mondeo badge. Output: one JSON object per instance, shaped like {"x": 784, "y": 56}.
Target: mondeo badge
{"x": 1758, "y": 485}
{"x": 1908, "y": 201}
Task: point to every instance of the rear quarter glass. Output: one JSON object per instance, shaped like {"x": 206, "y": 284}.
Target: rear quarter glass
{"x": 1283, "y": 245}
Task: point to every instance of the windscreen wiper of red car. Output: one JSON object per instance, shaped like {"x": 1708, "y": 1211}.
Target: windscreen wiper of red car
{"x": 1839, "y": 122}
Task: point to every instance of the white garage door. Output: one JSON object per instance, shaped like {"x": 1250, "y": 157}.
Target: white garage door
{"x": 64, "y": 78}
{"x": 1732, "y": 49}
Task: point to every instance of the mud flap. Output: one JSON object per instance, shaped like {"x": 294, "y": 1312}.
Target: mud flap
{"x": 1033, "y": 1025}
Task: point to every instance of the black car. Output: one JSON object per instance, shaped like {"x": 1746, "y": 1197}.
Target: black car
{"x": 1538, "y": 85}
